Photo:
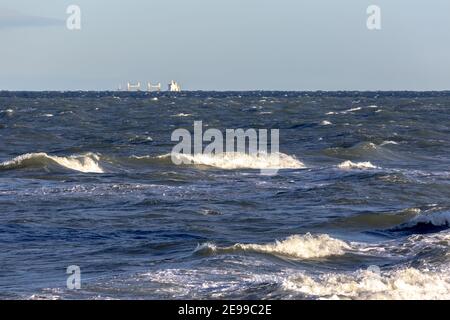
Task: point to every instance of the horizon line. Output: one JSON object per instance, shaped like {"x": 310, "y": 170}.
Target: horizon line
{"x": 227, "y": 90}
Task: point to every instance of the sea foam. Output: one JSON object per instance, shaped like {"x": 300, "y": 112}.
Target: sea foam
{"x": 404, "y": 283}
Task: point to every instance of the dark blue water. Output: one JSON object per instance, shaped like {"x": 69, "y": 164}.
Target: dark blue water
{"x": 86, "y": 180}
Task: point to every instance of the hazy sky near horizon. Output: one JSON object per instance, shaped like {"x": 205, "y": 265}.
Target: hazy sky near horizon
{"x": 225, "y": 45}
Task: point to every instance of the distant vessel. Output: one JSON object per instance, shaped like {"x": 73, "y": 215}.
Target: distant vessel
{"x": 174, "y": 86}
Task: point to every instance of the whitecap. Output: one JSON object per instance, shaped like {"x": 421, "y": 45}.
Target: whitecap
{"x": 347, "y": 165}
{"x": 352, "y": 110}
{"x": 388, "y": 142}
{"x": 400, "y": 284}
{"x": 182, "y": 115}
{"x": 306, "y": 246}
{"x": 240, "y": 160}
{"x": 87, "y": 163}
{"x": 437, "y": 219}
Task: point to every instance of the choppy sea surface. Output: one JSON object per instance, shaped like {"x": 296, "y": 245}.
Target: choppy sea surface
{"x": 360, "y": 208}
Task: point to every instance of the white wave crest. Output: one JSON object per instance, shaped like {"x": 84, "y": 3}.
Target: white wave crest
{"x": 182, "y": 115}
{"x": 352, "y": 109}
{"x": 302, "y": 247}
{"x": 438, "y": 219}
{"x": 325, "y": 123}
{"x": 348, "y": 165}
{"x": 401, "y": 284}
{"x": 388, "y": 142}
{"x": 240, "y": 160}
{"x": 87, "y": 163}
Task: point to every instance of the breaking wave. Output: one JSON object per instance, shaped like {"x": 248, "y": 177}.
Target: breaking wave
{"x": 87, "y": 163}
{"x": 309, "y": 246}
{"x": 301, "y": 247}
{"x": 347, "y": 165}
{"x": 404, "y": 283}
{"x": 426, "y": 223}
{"x": 238, "y": 160}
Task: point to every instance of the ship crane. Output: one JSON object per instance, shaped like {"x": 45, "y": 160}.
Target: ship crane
{"x": 157, "y": 87}
{"x": 132, "y": 87}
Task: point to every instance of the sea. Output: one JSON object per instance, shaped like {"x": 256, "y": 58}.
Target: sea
{"x": 93, "y": 207}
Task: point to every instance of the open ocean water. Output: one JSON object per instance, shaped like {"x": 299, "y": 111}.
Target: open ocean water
{"x": 359, "y": 210}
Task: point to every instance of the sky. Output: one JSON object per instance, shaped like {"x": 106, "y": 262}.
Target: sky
{"x": 225, "y": 45}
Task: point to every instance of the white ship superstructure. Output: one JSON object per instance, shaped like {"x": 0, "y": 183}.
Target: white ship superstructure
{"x": 174, "y": 86}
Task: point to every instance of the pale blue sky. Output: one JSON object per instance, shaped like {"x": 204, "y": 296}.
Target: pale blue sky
{"x": 226, "y": 44}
